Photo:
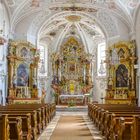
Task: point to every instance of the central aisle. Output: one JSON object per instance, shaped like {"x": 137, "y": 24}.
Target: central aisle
{"x": 71, "y": 128}
{"x": 71, "y": 124}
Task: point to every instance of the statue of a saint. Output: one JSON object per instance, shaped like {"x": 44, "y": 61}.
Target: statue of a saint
{"x": 132, "y": 51}
{"x": 14, "y": 80}
{"x": 129, "y": 82}
{"x": 34, "y": 82}
{"x": 110, "y": 83}
{"x": 43, "y": 95}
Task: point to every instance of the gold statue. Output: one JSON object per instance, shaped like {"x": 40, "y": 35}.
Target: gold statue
{"x": 43, "y": 96}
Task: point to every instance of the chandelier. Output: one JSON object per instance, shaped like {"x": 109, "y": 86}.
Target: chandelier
{"x": 102, "y": 69}
{"x": 42, "y": 68}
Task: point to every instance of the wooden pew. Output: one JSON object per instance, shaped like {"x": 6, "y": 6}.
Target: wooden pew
{"x": 15, "y": 128}
{"x": 136, "y": 127}
{"x": 110, "y": 121}
{"x": 26, "y": 122}
{"x": 33, "y": 119}
{"x": 39, "y": 118}
{"x": 4, "y": 127}
{"x": 28, "y": 108}
{"x": 36, "y": 117}
{"x": 107, "y": 118}
{"x": 49, "y": 114}
{"x": 113, "y": 127}
{"x": 129, "y": 130}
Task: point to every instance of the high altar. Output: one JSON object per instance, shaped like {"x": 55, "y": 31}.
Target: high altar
{"x": 22, "y": 79}
{"x": 121, "y": 75}
{"x": 72, "y": 69}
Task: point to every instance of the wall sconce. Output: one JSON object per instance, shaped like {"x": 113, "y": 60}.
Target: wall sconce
{"x": 102, "y": 69}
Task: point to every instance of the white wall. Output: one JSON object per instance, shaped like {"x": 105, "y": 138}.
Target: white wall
{"x": 21, "y": 30}
{"x": 123, "y": 33}
{"x": 4, "y": 25}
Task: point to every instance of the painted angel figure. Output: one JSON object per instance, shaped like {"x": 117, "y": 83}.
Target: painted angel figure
{"x": 110, "y": 83}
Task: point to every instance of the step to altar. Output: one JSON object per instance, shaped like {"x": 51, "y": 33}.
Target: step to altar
{"x": 72, "y": 108}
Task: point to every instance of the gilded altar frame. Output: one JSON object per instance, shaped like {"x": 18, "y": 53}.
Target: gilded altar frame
{"x": 121, "y": 88}
{"x": 72, "y": 69}
{"x": 23, "y": 61}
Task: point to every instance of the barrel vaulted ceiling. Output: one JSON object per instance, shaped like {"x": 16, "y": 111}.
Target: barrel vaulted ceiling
{"x": 55, "y": 20}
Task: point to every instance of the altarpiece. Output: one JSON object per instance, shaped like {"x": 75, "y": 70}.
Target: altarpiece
{"x": 72, "y": 70}
{"x": 23, "y": 61}
{"x": 121, "y": 60}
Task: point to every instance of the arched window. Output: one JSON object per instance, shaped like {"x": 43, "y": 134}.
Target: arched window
{"x": 101, "y": 68}
{"x": 43, "y": 65}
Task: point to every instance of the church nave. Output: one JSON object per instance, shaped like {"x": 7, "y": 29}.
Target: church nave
{"x": 69, "y": 69}
{"x": 71, "y": 125}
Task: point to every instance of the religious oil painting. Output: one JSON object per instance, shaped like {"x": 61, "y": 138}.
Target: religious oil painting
{"x": 24, "y": 52}
{"x": 121, "y": 76}
{"x": 22, "y": 75}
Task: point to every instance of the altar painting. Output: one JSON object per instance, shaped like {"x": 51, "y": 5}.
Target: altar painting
{"x": 22, "y": 75}
{"x": 24, "y": 52}
{"x": 122, "y": 76}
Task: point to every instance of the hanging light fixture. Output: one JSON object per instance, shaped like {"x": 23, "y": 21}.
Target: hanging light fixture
{"x": 102, "y": 69}
{"x": 42, "y": 67}
{"x": 35, "y": 3}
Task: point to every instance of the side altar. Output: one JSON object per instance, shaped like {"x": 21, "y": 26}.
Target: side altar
{"x": 72, "y": 72}
{"x": 121, "y": 73}
{"x": 23, "y": 61}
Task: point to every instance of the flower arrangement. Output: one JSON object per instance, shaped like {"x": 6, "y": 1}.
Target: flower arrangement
{"x": 71, "y": 103}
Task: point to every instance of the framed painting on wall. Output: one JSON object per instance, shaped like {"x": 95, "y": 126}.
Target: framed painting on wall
{"x": 122, "y": 76}
{"x": 23, "y": 75}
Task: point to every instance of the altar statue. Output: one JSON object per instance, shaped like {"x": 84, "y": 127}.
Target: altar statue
{"x": 14, "y": 80}
{"x": 43, "y": 96}
{"x": 110, "y": 83}
{"x": 71, "y": 88}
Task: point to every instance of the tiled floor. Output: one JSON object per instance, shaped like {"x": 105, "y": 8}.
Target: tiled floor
{"x": 50, "y": 128}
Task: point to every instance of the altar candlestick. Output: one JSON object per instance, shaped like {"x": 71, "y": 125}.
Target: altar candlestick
{"x": 60, "y": 70}
{"x": 84, "y": 74}
{"x": 27, "y": 92}
{"x": 75, "y": 68}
